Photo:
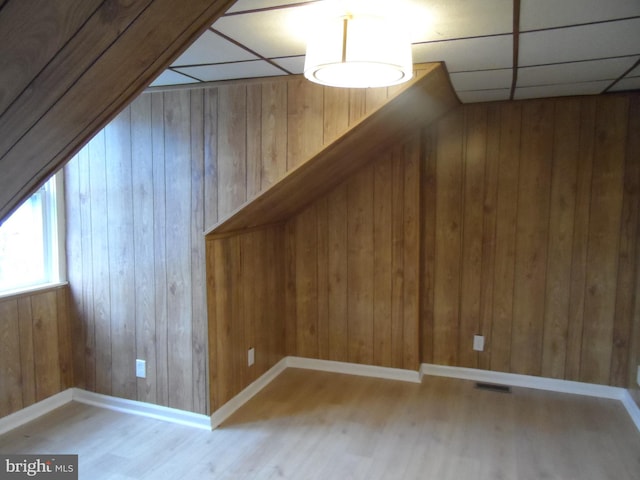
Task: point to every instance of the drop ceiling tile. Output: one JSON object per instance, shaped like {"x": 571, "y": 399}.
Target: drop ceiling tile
{"x": 483, "y": 79}
{"x": 608, "y": 69}
{"x": 242, "y": 5}
{"x": 561, "y": 90}
{"x": 611, "y": 39}
{"x": 227, "y": 71}
{"x": 443, "y": 19}
{"x": 635, "y": 72}
{"x": 169, "y": 77}
{"x": 469, "y": 54}
{"x": 627, "y": 83}
{"x": 474, "y": 96}
{"x": 270, "y": 33}
{"x": 212, "y": 48}
{"x": 291, "y": 64}
{"x": 536, "y": 14}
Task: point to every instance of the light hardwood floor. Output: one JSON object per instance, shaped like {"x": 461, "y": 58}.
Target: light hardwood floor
{"x": 315, "y": 425}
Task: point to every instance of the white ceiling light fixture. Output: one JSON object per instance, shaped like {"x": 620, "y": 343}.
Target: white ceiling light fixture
{"x": 359, "y": 51}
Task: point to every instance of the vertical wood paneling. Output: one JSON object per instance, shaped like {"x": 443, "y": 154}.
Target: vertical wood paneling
{"x": 45, "y": 343}
{"x": 604, "y": 238}
{"x": 633, "y": 155}
{"x": 323, "y": 276}
{"x": 397, "y": 258}
{"x": 121, "y": 265}
{"x": 198, "y": 256}
{"x": 337, "y": 267}
{"x": 472, "y": 231}
{"x": 428, "y": 244}
{"x": 446, "y": 303}
{"x": 360, "y": 266}
{"x": 305, "y": 121}
{"x": 507, "y": 208}
{"x": 489, "y": 232}
{"x": 559, "y": 223}
{"x": 531, "y": 237}
{"x": 580, "y": 239}
{"x": 254, "y": 140}
{"x": 36, "y": 351}
{"x": 382, "y": 219}
{"x": 240, "y": 271}
{"x": 10, "y": 371}
{"x": 411, "y": 262}
{"x": 563, "y": 191}
{"x": 178, "y": 248}
{"x": 211, "y": 157}
{"x": 144, "y": 247}
{"x": 99, "y": 238}
{"x": 27, "y": 358}
{"x": 371, "y": 224}
{"x": 160, "y": 205}
{"x": 232, "y": 148}
{"x": 306, "y": 273}
{"x": 274, "y": 133}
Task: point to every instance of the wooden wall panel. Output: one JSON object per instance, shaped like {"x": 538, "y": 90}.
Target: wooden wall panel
{"x": 562, "y": 179}
{"x": 357, "y": 298}
{"x": 36, "y": 337}
{"x": 138, "y": 207}
{"x": 245, "y": 310}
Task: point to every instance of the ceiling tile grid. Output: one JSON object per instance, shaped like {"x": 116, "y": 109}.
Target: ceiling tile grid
{"x": 564, "y": 47}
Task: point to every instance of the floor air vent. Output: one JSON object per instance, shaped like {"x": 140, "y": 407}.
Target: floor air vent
{"x": 493, "y": 388}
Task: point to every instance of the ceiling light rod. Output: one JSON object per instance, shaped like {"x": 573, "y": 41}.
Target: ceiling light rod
{"x": 358, "y": 51}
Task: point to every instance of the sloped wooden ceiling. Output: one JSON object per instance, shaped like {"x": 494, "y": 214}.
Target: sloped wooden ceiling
{"x": 67, "y": 67}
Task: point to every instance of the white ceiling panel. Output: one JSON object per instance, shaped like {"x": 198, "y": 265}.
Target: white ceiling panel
{"x": 469, "y": 54}
{"x": 611, "y": 39}
{"x": 475, "y": 96}
{"x": 627, "y": 83}
{"x": 211, "y": 73}
{"x": 535, "y": 14}
{"x": 169, "y": 77}
{"x": 445, "y": 19}
{"x": 576, "y": 72}
{"x": 271, "y": 33}
{"x": 481, "y": 80}
{"x": 562, "y": 90}
{"x": 212, "y": 48}
{"x": 243, "y": 5}
{"x": 635, "y": 72}
{"x": 292, "y": 64}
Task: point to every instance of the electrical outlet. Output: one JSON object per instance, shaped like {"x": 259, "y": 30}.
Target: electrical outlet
{"x": 141, "y": 368}
{"x": 251, "y": 356}
{"x": 478, "y": 343}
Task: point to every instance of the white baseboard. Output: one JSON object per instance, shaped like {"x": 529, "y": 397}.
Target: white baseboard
{"x": 354, "y": 369}
{"x": 526, "y": 381}
{"x": 143, "y": 409}
{"x": 229, "y": 408}
{"x": 539, "y": 383}
{"x": 32, "y": 412}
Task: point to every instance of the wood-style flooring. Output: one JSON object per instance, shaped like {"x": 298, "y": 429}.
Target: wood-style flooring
{"x": 316, "y": 425}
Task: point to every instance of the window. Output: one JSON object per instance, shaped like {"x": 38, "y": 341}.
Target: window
{"x": 30, "y": 248}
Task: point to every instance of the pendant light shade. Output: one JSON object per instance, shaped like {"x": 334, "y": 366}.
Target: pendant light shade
{"x": 358, "y": 52}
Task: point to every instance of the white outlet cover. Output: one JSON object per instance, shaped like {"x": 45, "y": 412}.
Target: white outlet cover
{"x": 478, "y": 343}
{"x": 141, "y": 368}
{"x": 251, "y": 356}
{"x": 638, "y": 379}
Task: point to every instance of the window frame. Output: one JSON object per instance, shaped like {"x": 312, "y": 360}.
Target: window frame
{"x": 54, "y": 234}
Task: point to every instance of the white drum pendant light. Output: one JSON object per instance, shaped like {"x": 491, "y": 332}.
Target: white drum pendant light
{"x": 358, "y": 52}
